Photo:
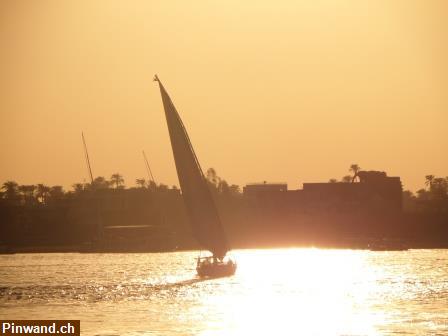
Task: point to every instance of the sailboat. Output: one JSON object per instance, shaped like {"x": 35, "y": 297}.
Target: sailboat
{"x": 201, "y": 209}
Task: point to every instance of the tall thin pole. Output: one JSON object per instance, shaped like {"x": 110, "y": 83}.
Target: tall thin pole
{"x": 150, "y": 176}
{"x": 87, "y": 157}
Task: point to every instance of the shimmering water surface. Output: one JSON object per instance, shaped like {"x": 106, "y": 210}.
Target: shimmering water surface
{"x": 274, "y": 292}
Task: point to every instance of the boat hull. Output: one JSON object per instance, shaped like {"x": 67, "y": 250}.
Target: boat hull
{"x": 216, "y": 270}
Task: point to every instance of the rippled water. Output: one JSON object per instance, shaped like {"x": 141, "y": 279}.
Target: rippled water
{"x": 274, "y": 292}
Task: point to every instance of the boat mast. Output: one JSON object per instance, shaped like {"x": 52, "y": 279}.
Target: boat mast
{"x": 148, "y": 169}
{"x": 86, "y": 153}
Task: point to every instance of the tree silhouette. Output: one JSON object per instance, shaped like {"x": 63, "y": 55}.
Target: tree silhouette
{"x": 422, "y": 194}
{"x": 409, "y": 201}
{"x": 212, "y": 177}
{"x": 78, "y": 188}
{"x": 234, "y": 189}
{"x": 117, "y": 179}
{"x": 439, "y": 188}
{"x": 347, "y": 179}
{"x": 11, "y": 189}
{"x": 140, "y": 182}
{"x": 100, "y": 183}
{"x": 56, "y": 193}
{"x": 223, "y": 187}
{"x": 333, "y": 180}
{"x": 42, "y": 193}
{"x": 354, "y": 168}
{"x": 429, "y": 180}
{"x": 152, "y": 186}
{"x": 162, "y": 187}
{"x": 27, "y": 192}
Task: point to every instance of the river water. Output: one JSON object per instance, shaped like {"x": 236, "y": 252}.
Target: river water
{"x": 274, "y": 292}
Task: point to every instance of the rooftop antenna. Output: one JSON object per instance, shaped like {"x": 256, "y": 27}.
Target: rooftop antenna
{"x": 86, "y": 153}
{"x": 150, "y": 176}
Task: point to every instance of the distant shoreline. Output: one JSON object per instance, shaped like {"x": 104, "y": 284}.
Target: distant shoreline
{"x": 80, "y": 249}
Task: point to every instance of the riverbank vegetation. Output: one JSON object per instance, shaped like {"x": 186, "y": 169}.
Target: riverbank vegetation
{"x": 148, "y": 216}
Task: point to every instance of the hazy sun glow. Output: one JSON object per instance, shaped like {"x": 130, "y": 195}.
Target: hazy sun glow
{"x": 269, "y": 90}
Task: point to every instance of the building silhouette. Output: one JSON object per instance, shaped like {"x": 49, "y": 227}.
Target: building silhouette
{"x": 370, "y": 192}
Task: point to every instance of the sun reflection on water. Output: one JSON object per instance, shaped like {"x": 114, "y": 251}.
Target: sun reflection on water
{"x": 298, "y": 291}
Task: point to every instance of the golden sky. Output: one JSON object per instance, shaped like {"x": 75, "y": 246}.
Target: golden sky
{"x": 291, "y": 91}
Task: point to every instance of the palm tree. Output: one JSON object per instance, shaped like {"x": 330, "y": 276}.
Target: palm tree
{"x": 141, "y": 182}
{"x": 11, "y": 189}
{"x": 27, "y": 192}
{"x": 429, "y": 181}
{"x": 78, "y": 188}
{"x": 117, "y": 179}
{"x": 354, "y": 168}
{"x": 100, "y": 183}
{"x": 212, "y": 177}
{"x": 42, "y": 193}
{"x": 22, "y": 190}
{"x": 439, "y": 188}
{"x": 56, "y": 192}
